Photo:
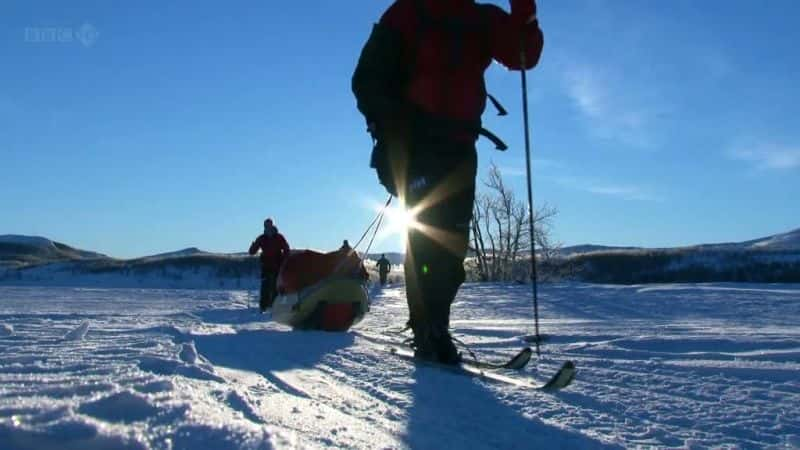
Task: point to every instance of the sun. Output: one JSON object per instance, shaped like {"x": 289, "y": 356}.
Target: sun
{"x": 399, "y": 220}
{"x": 395, "y": 223}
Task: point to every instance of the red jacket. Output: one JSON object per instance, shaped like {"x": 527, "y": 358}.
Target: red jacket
{"x": 274, "y": 249}
{"x": 447, "y": 77}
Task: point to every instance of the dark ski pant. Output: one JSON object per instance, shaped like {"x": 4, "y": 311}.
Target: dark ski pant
{"x": 442, "y": 187}
{"x": 268, "y": 290}
{"x": 383, "y": 276}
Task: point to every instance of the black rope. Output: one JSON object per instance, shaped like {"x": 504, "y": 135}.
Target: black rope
{"x": 377, "y": 218}
{"x": 377, "y": 227}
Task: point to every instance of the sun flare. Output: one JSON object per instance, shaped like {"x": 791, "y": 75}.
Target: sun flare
{"x": 399, "y": 220}
{"x": 396, "y": 221}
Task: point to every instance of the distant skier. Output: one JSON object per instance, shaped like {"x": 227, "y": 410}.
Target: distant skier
{"x": 345, "y": 246}
{"x": 384, "y": 267}
{"x": 420, "y": 85}
{"x": 274, "y": 249}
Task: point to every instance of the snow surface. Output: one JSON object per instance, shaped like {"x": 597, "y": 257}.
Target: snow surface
{"x": 667, "y": 366}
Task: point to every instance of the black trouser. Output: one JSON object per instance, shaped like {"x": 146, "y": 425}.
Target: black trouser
{"x": 383, "y": 275}
{"x": 268, "y": 290}
{"x": 441, "y": 189}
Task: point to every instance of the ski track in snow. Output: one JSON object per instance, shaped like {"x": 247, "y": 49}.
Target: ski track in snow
{"x": 661, "y": 366}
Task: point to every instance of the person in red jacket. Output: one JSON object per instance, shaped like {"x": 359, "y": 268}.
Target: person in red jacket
{"x": 419, "y": 83}
{"x": 274, "y": 249}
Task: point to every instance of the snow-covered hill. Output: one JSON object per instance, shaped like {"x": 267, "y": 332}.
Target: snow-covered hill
{"x": 784, "y": 241}
{"x": 771, "y": 259}
{"x": 16, "y": 250}
{"x": 34, "y": 261}
{"x": 687, "y": 265}
{"x": 191, "y": 251}
{"x": 789, "y": 241}
{"x": 32, "y": 241}
{"x": 588, "y": 248}
{"x": 194, "y": 271}
{"x": 660, "y": 366}
{"x": 41, "y": 262}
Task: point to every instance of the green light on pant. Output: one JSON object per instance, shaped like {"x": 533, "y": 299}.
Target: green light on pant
{"x": 424, "y": 269}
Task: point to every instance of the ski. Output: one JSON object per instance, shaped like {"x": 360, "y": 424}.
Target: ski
{"x": 561, "y": 379}
{"x": 516, "y": 362}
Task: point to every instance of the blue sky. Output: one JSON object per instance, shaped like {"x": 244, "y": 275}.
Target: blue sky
{"x": 187, "y": 123}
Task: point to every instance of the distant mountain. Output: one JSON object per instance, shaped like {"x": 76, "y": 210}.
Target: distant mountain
{"x": 587, "y": 248}
{"x": 191, "y": 251}
{"x": 772, "y": 259}
{"x": 33, "y": 260}
{"x": 16, "y": 250}
{"x": 779, "y": 242}
{"x": 37, "y": 261}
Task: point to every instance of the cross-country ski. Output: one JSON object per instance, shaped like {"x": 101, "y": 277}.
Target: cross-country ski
{"x": 561, "y": 379}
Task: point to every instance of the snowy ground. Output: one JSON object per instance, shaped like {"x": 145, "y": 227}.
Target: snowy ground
{"x": 675, "y": 366}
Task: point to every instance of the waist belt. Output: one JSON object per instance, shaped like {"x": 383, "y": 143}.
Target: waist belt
{"x": 439, "y": 127}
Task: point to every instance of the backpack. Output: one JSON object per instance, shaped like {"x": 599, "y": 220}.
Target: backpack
{"x": 388, "y": 75}
{"x": 457, "y": 28}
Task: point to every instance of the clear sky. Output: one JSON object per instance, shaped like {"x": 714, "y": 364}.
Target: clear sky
{"x": 133, "y": 128}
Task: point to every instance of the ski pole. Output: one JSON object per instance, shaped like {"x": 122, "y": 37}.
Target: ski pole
{"x": 534, "y": 277}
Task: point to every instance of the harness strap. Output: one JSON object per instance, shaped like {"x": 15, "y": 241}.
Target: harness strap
{"x": 500, "y": 110}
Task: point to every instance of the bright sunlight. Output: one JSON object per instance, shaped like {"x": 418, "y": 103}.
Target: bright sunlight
{"x": 398, "y": 220}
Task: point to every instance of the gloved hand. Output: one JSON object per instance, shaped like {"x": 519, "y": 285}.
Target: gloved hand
{"x": 523, "y": 10}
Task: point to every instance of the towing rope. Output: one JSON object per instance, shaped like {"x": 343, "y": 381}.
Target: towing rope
{"x": 376, "y": 222}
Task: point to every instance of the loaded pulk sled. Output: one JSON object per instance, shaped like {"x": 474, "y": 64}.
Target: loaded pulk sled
{"x": 321, "y": 291}
{"x": 324, "y": 291}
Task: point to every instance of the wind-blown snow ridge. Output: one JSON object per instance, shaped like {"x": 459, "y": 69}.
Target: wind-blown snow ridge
{"x": 188, "y": 353}
{"x": 78, "y": 333}
{"x": 6, "y": 330}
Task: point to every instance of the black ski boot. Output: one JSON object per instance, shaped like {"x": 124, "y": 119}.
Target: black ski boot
{"x": 446, "y": 351}
{"x": 422, "y": 343}
{"x": 434, "y": 344}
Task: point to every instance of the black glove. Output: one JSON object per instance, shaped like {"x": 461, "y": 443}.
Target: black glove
{"x": 523, "y": 10}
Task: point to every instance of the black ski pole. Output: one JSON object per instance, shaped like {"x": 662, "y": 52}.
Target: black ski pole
{"x": 534, "y": 277}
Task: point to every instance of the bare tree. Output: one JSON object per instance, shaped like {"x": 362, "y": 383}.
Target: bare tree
{"x": 500, "y": 232}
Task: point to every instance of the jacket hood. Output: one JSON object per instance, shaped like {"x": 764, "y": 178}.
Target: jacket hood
{"x": 273, "y": 231}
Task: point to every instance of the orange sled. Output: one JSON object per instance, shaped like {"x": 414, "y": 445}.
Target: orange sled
{"x": 321, "y": 291}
